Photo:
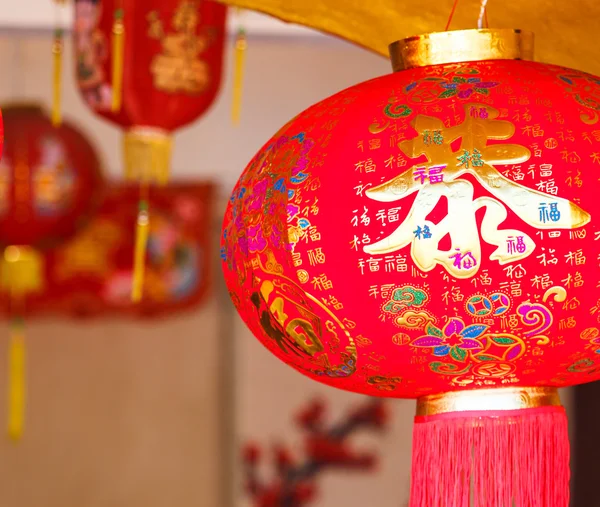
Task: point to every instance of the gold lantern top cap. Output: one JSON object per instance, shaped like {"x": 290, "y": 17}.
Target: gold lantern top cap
{"x": 461, "y": 46}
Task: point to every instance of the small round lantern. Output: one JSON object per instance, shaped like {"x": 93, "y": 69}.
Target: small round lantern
{"x": 49, "y": 179}
{"x": 50, "y": 183}
{"x": 432, "y": 234}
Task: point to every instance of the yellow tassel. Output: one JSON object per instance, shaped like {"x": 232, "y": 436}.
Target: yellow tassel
{"x": 139, "y": 256}
{"x": 147, "y": 155}
{"x": 118, "y": 48}
{"x": 241, "y": 44}
{"x": 16, "y": 381}
{"x": 21, "y": 273}
{"x": 57, "y": 52}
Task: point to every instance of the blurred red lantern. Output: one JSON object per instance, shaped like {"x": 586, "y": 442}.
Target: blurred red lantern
{"x": 161, "y": 71}
{"x": 431, "y": 234}
{"x": 50, "y": 183}
{"x": 1, "y": 135}
{"x": 49, "y": 179}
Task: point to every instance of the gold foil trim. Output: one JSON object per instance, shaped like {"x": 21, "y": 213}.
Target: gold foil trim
{"x": 461, "y": 46}
{"x": 505, "y": 398}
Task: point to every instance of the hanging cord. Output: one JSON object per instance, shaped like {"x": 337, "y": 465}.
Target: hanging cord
{"x": 141, "y": 243}
{"x": 482, "y": 14}
{"x": 451, "y": 15}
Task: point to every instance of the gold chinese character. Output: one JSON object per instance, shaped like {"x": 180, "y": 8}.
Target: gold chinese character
{"x": 386, "y": 290}
{"x": 373, "y": 264}
{"x": 547, "y": 258}
{"x": 535, "y": 208}
{"x": 374, "y": 144}
{"x": 316, "y": 256}
{"x": 575, "y": 258}
{"x": 541, "y": 281}
{"x": 297, "y": 259}
{"x": 179, "y": 68}
{"x": 516, "y": 271}
{"x": 321, "y": 282}
{"x": 360, "y": 188}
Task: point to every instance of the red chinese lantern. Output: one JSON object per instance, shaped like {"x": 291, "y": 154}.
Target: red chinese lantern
{"x": 431, "y": 234}
{"x": 50, "y": 183}
{"x": 149, "y": 66}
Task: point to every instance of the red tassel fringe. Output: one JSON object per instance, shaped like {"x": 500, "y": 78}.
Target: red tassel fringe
{"x": 514, "y": 458}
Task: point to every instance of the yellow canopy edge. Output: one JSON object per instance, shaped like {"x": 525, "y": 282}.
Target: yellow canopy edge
{"x": 565, "y": 30}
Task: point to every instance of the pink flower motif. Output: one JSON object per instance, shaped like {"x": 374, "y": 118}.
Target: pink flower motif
{"x": 455, "y": 339}
{"x": 259, "y": 192}
{"x": 243, "y": 244}
{"x": 256, "y": 240}
{"x": 276, "y": 236}
{"x": 292, "y": 211}
{"x": 596, "y": 342}
{"x": 463, "y": 88}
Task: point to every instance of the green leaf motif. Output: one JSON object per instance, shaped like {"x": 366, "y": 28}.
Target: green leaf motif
{"x": 457, "y": 79}
{"x": 435, "y": 366}
{"x": 448, "y": 368}
{"x": 397, "y": 111}
{"x": 503, "y": 340}
{"x": 389, "y": 307}
{"x": 458, "y": 354}
{"x": 433, "y": 331}
{"x": 448, "y": 93}
{"x": 486, "y": 358}
{"x": 483, "y": 91}
{"x": 410, "y": 296}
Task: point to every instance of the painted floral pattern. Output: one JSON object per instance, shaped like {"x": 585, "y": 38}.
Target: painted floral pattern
{"x": 466, "y": 87}
{"x": 454, "y": 339}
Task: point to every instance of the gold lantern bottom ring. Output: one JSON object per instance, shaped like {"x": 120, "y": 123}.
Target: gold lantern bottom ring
{"x": 499, "y": 402}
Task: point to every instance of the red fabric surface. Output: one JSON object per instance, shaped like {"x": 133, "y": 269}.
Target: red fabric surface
{"x": 428, "y": 231}
{"x": 188, "y": 37}
{"x": 50, "y": 179}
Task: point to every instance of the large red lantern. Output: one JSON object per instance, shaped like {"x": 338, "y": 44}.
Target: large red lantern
{"x": 432, "y": 234}
{"x": 149, "y": 66}
{"x": 50, "y": 183}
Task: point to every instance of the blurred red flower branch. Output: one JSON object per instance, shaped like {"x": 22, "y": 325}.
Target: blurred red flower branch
{"x": 326, "y": 447}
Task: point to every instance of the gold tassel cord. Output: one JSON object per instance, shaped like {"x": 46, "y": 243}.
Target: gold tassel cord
{"x": 241, "y": 45}
{"x": 118, "y": 49}
{"x": 57, "y": 54}
{"x": 147, "y": 157}
{"x": 21, "y": 273}
{"x": 16, "y": 380}
{"x": 141, "y": 242}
